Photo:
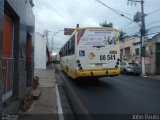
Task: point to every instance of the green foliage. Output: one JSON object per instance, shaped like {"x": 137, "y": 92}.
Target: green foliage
{"x": 105, "y": 24}
{"x": 122, "y": 35}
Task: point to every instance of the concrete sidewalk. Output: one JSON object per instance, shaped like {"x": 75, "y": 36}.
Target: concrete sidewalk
{"x": 157, "y": 77}
{"x": 45, "y": 107}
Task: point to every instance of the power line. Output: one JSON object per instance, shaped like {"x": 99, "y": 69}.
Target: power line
{"x": 127, "y": 25}
{"x": 153, "y": 33}
{"x": 107, "y": 6}
{"x": 136, "y": 33}
{"x": 147, "y": 29}
{"x": 154, "y": 27}
{"x": 153, "y": 12}
{"x": 148, "y": 24}
{"x": 112, "y": 9}
{"x": 155, "y": 22}
{"x": 122, "y": 12}
{"x": 116, "y": 11}
{"x": 129, "y": 28}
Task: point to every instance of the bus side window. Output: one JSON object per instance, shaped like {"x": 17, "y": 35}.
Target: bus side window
{"x": 69, "y": 47}
{"x": 64, "y": 50}
{"x": 72, "y": 44}
{"x": 60, "y": 53}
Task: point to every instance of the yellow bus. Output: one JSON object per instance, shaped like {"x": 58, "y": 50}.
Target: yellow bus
{"x": 91, "y": 52}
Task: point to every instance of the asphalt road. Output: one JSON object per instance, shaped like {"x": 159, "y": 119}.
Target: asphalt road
{"x": 118, "y": 95}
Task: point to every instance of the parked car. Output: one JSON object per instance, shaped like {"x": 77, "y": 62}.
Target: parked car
{"x": 127, "y": 67}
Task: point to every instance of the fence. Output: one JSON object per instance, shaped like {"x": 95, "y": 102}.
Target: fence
{"x": 7, "y": 77}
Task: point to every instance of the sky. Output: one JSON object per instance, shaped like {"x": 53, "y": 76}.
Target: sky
{"x": 55, "y": 15}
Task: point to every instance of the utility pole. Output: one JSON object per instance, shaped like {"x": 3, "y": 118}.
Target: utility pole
{"x": 143, "y": 33}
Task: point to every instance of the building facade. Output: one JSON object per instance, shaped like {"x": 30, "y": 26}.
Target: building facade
{"x": 17, "y": 26}
{"x": 40, "y": 53}
{"x": 126, "y": 49}
{"x": 155, "y": 50}
{"x": 130, "y": 50}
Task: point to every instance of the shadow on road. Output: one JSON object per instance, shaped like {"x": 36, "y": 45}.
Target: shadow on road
{"x": 90, "y": 83}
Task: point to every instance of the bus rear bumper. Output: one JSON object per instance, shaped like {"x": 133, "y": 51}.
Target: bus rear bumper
{"x": 97, "y": 73}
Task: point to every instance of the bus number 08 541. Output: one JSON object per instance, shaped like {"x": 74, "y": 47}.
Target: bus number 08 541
{"x": 109, "y": 57}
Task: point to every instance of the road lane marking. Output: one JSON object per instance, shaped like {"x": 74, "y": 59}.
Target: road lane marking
{"x": 59, "y": 105}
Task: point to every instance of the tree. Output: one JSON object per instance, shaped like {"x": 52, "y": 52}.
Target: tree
{"x": 105, "y": 24}
{"x": 122, "y": 35}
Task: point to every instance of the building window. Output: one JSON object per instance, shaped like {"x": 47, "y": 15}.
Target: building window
{"x": 137, "y": 51}
{"x": 127, "y": 51}
{"x": 121, "y": 51}
{"x": 158, "y": 47}
{"x": 68, "y": 48}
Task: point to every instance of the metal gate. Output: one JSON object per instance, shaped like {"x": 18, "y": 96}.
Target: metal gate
{"x": 7, "y": 73}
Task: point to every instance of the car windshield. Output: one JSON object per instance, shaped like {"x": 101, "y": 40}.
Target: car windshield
{"x": 133, "y": 64}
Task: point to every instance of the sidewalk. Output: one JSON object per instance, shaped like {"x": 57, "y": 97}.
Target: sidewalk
{"x": 157, "y": 77}
{"x": 45, "y": 107}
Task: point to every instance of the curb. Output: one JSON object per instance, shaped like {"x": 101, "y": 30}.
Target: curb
{"x": 59, "y": 105}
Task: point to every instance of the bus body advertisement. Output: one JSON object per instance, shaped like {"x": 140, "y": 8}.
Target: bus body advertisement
{"x": 91, "y": 52}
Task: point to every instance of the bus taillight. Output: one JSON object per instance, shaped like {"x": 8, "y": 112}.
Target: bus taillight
{"x": 116, "y": 66}
{"x": 117, "y": 63}
{"x": 79, "y": 65}
{"x": 78, "y": 61}
{"x": 80, "y": 68}
{"x": 118, "y": 60}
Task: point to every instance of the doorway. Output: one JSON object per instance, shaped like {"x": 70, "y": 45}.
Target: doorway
{"x": 7, "y": 57}
{"x": 28, "y": 59}
{"x": 158, "y": 58}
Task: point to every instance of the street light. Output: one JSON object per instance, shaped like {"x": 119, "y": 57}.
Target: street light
{"x": 55, "y": 33}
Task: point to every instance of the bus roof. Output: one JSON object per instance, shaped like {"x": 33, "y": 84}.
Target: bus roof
{"x": 82, "y": 28}
{"x": 107, "y": 28}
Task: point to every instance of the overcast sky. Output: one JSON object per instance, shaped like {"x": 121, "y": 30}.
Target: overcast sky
{"x": 56, "y": 15}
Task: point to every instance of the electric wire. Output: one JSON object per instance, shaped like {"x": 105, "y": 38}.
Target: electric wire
{"x": 112, "y": 9}
{"x": 153, "y": 12}
{"x": 116, "y": 11}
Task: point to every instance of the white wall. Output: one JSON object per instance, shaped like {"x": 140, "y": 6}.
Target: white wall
{"x": 40, "y": 51}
